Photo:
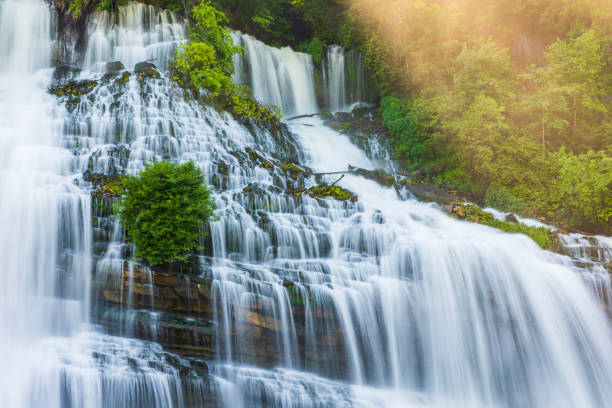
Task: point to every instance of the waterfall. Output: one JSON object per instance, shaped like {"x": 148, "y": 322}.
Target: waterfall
{"x": 278, "y": 76}
{"x": 44, "y": 218}
{"x": 133, "y": 34}
{"x": 334, "y": 79}
{"x": 298, "y": 301}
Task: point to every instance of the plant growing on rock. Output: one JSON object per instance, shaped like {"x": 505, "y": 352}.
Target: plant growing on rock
{"x": 205, "y": 64}
{"x": 163, "y": 210}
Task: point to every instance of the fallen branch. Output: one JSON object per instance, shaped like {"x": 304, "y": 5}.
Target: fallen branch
{"x": 341, "y": 177}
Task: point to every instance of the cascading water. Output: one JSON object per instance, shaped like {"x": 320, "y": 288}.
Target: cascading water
{"x": 45, "y": 235}
{"x": 133, "y": 34}
{"x": 278, "y": 76}
{"x": 334, "y": 79}
{"x": 300, "y": 301}
{"x": 50, "y": 357}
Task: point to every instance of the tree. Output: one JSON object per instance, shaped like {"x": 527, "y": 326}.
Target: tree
{"x": 164, "y": 209}
{"x": 570, "y": 91}
{"x": 582, "y": 190}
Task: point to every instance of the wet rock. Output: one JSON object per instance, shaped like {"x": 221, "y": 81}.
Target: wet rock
{"x": 325, "y": 191}
{"x": 146, "y": 70}
{"x": 259, "y": 159}
{"x": 64, "y": 72}
{"x": 427, "y": 172}
{"x": 293, "y": 169}
{"x": 427, "y": 192}
{"x": 379, "y": 175}
{"x": 99, "y": 248}
{"x": 114, "y": 66}
{"x": 511, "y": 218}
{"x": 73, "y": 89}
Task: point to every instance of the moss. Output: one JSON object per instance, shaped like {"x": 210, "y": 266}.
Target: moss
{"x": 73, "y": 89}
{"x": 325, "y": 191}
{"x": 541, "y": 235}
{"x": 146, "y": 70}
{"x": 292, "y": 168}
{"x": 259, "y": 159}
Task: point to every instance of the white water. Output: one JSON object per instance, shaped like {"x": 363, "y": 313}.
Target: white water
{"x": 44, "y": 218}
{"x": 334, "y": 79}
{"x": 408, "y": 307}
{"x": 279, "y": 76}
{"x": 49, "y": 355}
{"x": 134, "y": 34}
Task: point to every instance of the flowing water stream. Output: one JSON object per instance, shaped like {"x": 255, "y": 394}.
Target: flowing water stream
{"x": 299, "y": 301}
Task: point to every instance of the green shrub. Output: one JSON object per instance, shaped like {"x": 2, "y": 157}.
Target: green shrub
{"x": 502, "y": 199}
{"x": 313, "y": 47}
{"x": 409, "y": 123}
{"x": 163, "y": 210}
{"x": 469, "y": 212}
{"x": 540, "y": 235}
{"x": 109, "y": 5}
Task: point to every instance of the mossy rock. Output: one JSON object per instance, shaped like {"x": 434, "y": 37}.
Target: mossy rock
{"x": 259, "y": 159}
{"x": 325, "y": 191}
{"x": 73, "y": 89}
{"x": 146, "y": 70}
{"x": 293, "y": 169}
{"x": 471, "y": 212}
{"x": 542, "y": 236}
{"x": 105, "y": 187}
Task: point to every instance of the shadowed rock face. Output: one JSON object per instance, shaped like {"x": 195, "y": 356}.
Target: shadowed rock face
{"x": 177, "y": 311}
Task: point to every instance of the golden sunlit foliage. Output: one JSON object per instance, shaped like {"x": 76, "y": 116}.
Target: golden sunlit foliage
{"x": 517, "y": 93}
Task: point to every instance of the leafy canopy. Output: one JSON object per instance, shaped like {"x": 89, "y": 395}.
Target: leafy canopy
{"x": 163, "y": 210}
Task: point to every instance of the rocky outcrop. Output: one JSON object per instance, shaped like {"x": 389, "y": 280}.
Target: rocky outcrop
{"x": 177, "y": 310}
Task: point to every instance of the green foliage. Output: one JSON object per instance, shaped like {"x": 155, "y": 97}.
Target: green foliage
{"x": 314, "y": 47}
{"x": 457, "y": 179}
{"x": 207, "y": 28}
{"x": 540, "y": 235}
{"x": 276, "y": 22}
{"x": 582, "y": 191}
{"x": 205, "y": 65}
{"x": 502, "y": 199}
{"x": 410, "y": 123}
{"x": 75, "y": 8}
{"x": 109, "y": 5}
{"x": 197, "y": 62}
{"x": 495, "y": 118}
{"x": 468, "y": 212}
{"x": 163, "y": 210}
{"x": 568, "y": 99}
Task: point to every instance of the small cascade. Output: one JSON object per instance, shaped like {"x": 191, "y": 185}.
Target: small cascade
{"x": 345, "y": 78}
{"x": 334, "y": 78}
{"x": 277, "y": 76}
{"x": 135, "y": 33}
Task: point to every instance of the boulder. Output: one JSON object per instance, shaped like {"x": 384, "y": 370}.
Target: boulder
{"x": 511, "y": 218}
{"x": 146, "y": 70}
{"x": 114, "y": 66}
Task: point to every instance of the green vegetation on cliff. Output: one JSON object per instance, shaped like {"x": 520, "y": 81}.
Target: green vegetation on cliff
{"x": 205, "y": 64}
{"x": 469, "y": 212}
{"x": 164, "y": 209}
